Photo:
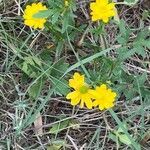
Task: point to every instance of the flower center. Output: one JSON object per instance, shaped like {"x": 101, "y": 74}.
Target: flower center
{"x": 83, "y": 89}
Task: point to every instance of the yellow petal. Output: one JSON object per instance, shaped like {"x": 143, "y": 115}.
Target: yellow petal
{"x": 86, "y": 98}
{"x": 101, "y": 107}
{"x": 72, "y": 95}
{"x": 111, "y": 6}
{"x": 88, "y": 103}
{"x": 95, "y": 103}
{"x": 77, "y": 81}
{"x": 105, "y": 20}
{"x": 82, "y": 103}
{"x": 75, "y": 101}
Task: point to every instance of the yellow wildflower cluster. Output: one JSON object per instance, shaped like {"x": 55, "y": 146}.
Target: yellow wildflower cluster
{"x": 30, "y": 11}
{"x": 102, "y": 96}
{"x": 102, "y": 10}
{"x": 81, "y": 91}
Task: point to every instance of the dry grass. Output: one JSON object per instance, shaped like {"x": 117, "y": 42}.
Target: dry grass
{"x": 91, "y": 127}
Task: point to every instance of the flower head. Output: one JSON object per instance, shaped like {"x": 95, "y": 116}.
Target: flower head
{"x": 104, "y": 97}
{"x": 81, "y": 93}
{"x": 66, "y": 2}
{"x": 30, "y": 11}
{"x": 102, "y": 10}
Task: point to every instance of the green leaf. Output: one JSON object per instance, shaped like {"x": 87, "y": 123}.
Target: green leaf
{"x": 36, "y": 88}
{"x": 124, "y": 34}
{"x": 146, "y": 43}
{"x": 74, "y": 124}
{"x": 124, "y": 139}
{"x": 61, "y": 86}
{"x": 42, "y": 14}
{"x": 36, "y": 60}
{"x": 140, "y": 50}
{"x": 122, "y": 26}
{"x": 59, "y": 68}
{"x": 113, "y": 137}
{"x": 55, "y": 74}
{"x": 130, "y": 2}
{"x": 145, "y": 14}
{"x": 135, "y": 144}
{"x": 58, "y": 127}
{"x": 68, "y": 20}
{"x": 125, "y": 53}
{"x": 1, "y": 80}
{"x": 59, "y": 49}
{"x": 25, "y": 67}
{"x": 65, "y": 23}
{"x": 142, "y": 78}
{"x": 45, "y": 56}
{"x": 55, "y": 17}
{"x": 29, "y": 60}
{"x": 56, "y": 145}
{"x": 120, "y": 129}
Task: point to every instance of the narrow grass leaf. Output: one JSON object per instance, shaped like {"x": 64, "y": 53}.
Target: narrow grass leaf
{"x": 135, "y": 145}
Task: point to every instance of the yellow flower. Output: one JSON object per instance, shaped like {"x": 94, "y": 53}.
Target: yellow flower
{"x": 102, "y": 10}
{"x": 66, "y": 2}
{"x": 104, "y": 97}
{"x": 31, "y": 10}
{"x": 81, "y": 91}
